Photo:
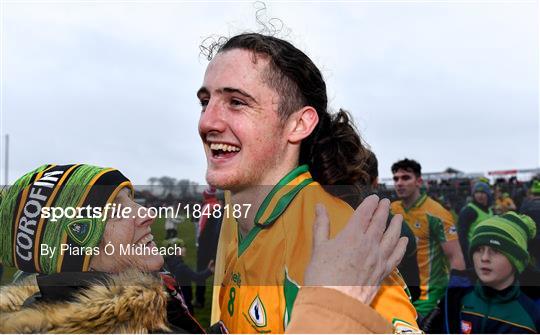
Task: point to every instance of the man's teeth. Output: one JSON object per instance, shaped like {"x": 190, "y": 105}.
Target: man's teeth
{"x": 224, "y": 147}
{"x": 146, "y": 239}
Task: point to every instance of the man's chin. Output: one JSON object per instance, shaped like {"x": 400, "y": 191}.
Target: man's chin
{"x": 219, "y": 181}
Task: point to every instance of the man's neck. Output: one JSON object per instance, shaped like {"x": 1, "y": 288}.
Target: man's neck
{"x": 409, "y": 201}
{"x": 254, "y": 196}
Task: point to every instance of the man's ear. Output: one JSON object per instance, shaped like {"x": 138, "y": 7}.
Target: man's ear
{"x": 302, "y": 123}
{"x": 419, "y": 181}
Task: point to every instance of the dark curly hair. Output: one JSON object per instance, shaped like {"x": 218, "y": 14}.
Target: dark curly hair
{"x": 334, "y": 150}
{"x": 409, "y": 165}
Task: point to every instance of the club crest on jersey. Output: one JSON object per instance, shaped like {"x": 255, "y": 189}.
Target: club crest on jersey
{"x": 257, "y": 312}
{"x": 403, "y": 327}
{"x": 80, "y": 230}
{"x": 417, "y": 225}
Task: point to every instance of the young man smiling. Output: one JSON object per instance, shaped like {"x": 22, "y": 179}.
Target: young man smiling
{"x": 270, "y": 140}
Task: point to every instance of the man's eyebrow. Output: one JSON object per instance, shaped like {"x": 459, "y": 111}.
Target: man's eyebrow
{"x": 239, "y": 91}
{"x": 201, "y": 91}
{"x": 204, "y": 91}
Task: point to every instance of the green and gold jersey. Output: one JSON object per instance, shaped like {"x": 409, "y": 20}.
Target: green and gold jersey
{"x": 432, "y": 225}
{"x": 258, "y": 275}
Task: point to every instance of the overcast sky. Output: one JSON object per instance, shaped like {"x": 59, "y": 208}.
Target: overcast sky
{"x": 113, "y": 83}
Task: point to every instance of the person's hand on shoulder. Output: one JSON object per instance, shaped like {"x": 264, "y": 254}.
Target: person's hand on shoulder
{"x": 361, "y": 256}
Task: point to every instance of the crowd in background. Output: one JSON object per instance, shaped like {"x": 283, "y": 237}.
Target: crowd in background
{"x": 477, "y": 251}
{"x": 453, "y": 194}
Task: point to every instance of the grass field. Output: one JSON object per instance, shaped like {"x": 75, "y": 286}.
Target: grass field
{"x": 186, "y": 232}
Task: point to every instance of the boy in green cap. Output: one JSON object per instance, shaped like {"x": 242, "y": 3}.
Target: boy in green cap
{"x": 495, "y": 303}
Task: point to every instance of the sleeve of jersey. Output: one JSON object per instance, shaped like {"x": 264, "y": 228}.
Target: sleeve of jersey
{"x": 395, "y": 306}
{"x": 450, "y": 231}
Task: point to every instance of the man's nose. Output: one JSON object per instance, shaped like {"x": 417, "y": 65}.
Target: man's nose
{"x": 212, "y": 118}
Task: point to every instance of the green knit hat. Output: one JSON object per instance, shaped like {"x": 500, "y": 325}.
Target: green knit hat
{"x": 535, "y": 188}
{"x": 24, "y": 228}
{"x": 509, "y": 234}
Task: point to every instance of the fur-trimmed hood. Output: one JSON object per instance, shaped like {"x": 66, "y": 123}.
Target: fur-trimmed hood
{"x": 131, "y": 302}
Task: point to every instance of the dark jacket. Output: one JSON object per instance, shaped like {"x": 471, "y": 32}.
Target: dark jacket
{"x": 474, "y": 308}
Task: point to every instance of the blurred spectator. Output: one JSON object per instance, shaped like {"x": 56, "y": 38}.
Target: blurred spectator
{"x": 171, "y": 227}
{"x": 518, "y": 192}
{"x": 207, "y": 238}
{"x": 503, "y": 202}
{"x": 183, "y": 274}
{"x": 473, "y": 213}
{"x": 531, "y": 207}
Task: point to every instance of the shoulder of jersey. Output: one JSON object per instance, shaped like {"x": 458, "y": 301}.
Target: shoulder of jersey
{"x": 436, "y": 207}
{"x": 396, "y": 204}
{"x": 315, "y": 193}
